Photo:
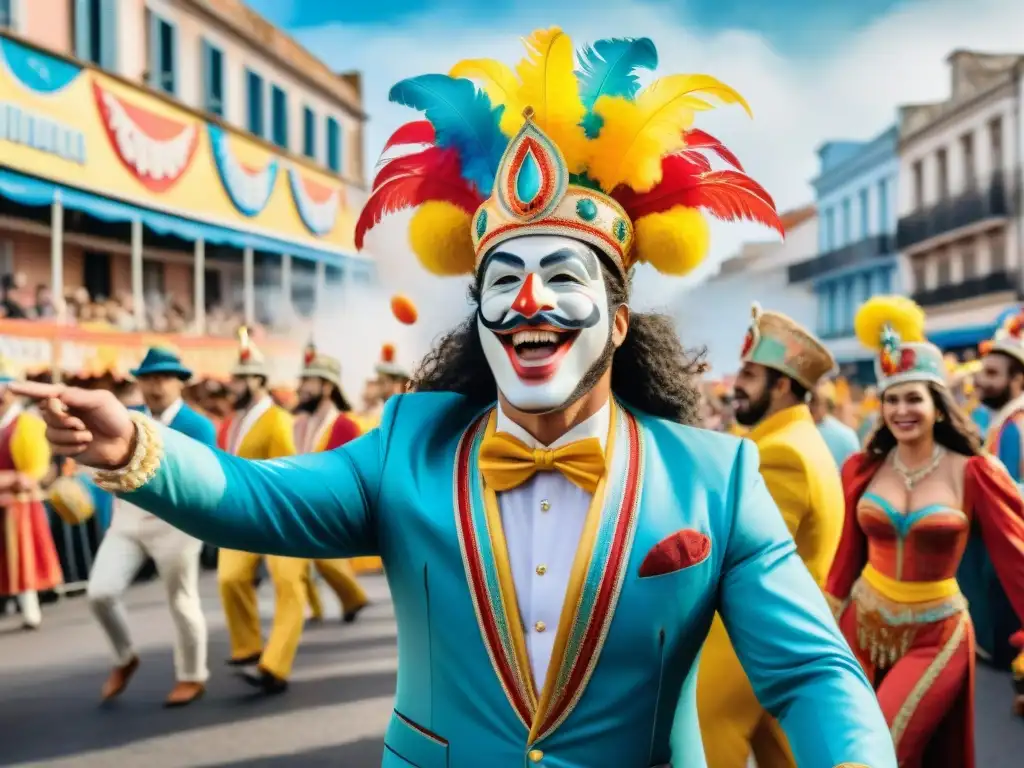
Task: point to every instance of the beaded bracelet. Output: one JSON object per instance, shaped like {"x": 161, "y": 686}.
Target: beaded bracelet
{"x": 145, "y": 460}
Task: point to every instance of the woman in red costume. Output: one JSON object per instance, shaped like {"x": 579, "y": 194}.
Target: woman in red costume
{"x": 913, "y": 498}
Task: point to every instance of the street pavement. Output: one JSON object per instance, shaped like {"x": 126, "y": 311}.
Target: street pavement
{"x": 334, "y": 714}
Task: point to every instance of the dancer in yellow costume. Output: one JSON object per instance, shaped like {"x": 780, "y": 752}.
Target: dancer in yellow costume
{"x": 323, "y": 424}
{"x": 782, "y": 363}
{"x": 260, "y": 429}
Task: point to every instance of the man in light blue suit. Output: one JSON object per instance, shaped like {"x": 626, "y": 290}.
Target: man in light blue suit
{"x": 555, "y": 538}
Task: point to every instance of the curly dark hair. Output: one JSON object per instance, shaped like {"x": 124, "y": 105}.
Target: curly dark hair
{"x": 954, "y": 431}
{"x": 651, "y": 371}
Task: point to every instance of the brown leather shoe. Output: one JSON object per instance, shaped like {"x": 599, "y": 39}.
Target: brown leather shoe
{"x": 184, "y": 693}
{"x": 119, "y": 679}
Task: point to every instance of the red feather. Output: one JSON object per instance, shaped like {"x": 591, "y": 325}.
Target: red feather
{"x": 433, "y": 176}
{"x": 416, "y": 132}
{"x": 727, "y": 195}
{"x": 698, "y": 139}
{"x": 406, "y": 164}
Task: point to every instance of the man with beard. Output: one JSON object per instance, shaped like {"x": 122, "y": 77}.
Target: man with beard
{"x": 259, "y": 429}
{"x": 556, "y": 538}
{"x": 135, "y": 535}
{"x": 1001, "y": 386}
{"x": 323, "y": 424}
{"x": 782, "y": 364}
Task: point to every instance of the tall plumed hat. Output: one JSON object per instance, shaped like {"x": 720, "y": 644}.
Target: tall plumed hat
{"x": 321, "y": 366}
{"x": 894, "y": 327}
{"x": 567, "y": 143}
{"x": 1009, "y": 338}
{"x": 250, "y": 359}
{"x": 775, "y": 341}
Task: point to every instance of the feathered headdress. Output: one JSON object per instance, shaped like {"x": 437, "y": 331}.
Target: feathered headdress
{"x": 250, "y": 361}
{"x": 547, "y": 149}
{"x": 1009, "y": 339}
{"x": 894, "y": 327}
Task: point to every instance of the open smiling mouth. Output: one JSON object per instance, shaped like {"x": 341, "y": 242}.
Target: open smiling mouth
{"x": 535, "y": 353}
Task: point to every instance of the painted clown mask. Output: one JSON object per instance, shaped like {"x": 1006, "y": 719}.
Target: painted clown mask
{"x": 543, "y": 319}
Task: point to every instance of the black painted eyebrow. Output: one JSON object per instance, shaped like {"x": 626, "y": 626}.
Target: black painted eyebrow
{"x": 506, "y": 258}
{"x": 564, "y": 254}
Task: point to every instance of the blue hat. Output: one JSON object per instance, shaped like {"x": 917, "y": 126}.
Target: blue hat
{"x": 160, "y": 360}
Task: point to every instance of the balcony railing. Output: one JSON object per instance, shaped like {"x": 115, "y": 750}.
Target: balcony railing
{"x": 855, "y": 254}
{"x": 997, "y": 282}
{"x": 993, "y": 201}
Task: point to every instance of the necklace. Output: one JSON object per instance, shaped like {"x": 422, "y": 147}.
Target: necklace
{"x": 913, "y": 477}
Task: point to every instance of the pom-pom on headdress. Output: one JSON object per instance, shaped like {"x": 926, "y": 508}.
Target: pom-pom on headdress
{"x": 318, "y": 365}
{"x": 894, "y": 327}
{"x": 777, "y": 342}
{"x": 387, "y": 365}
{"x": 546, "y": 149}
{"x": 1009, "y": 339}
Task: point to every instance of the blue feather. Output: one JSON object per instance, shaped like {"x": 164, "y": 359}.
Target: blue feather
{"x": 463, "y": 118}
{"x": 608, "y": 68}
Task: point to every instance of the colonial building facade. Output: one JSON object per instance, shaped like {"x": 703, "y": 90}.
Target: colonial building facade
{"x": 855, "y": 254}
{"x": 959, "y": 198}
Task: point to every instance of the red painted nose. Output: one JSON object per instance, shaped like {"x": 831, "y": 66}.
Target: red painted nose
{"x": 529, "y": 302}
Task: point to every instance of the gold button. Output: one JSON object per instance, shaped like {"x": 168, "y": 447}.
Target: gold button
{"x": 541, "y": 570}
{"x": 540, "y": 626}
{"x": 545, "y": 505}
{"x": 535, "y": 755}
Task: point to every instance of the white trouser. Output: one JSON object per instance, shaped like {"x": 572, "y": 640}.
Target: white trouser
{"x": 124, "y": 549}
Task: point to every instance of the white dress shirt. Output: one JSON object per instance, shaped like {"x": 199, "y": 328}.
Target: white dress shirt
{"x": 543, "y": 521}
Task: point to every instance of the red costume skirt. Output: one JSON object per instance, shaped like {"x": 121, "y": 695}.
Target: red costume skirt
{"x": 28, "y": 558}
{"x": 924, "y": 677}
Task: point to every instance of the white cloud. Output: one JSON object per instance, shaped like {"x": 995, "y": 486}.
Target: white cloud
{"x": 798, "y": 104}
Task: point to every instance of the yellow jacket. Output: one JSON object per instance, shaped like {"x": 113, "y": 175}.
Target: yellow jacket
{"x": 270, "y": 437}
{"x": 803, "y": 479}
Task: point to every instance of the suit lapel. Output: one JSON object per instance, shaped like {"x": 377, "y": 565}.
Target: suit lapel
{"x": 594, "y": 584}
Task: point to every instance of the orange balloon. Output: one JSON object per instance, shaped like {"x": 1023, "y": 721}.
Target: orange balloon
{"x": 403, "y": 309}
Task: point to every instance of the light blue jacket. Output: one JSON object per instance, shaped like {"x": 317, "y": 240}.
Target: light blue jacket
{"x": 625, "y": 658}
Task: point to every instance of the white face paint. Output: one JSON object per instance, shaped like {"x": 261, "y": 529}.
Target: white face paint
{"x": 543, "y": 318}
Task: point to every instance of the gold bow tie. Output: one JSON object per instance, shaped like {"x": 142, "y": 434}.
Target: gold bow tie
{"x": 507, "y": 462}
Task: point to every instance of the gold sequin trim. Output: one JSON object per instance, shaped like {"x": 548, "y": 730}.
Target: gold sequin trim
{"x": 920, "y": 689}
{"x": 149, "y": 452}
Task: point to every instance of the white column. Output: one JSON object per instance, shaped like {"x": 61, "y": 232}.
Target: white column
{"x": 248, "y": 290}
{"x": 57, "y": 256}
{"x": 138, "y": 298}
{"x": 319, "y": 284}
{"x": 199, "y": 287}
{"x": 286, "y": 288}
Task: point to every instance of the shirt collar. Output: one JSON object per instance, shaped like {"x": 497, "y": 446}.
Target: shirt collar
{"x": 780, "y": 420}
{"x": 170, "y": 413}
{"x": 594, "y": 426}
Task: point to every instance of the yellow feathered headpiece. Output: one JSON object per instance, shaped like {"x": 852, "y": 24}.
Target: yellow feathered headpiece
{"x": 894, "y": 327}
{"x": 549, "y": 149}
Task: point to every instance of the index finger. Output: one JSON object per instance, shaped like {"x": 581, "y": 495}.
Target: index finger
{"x": 35, "y": 390}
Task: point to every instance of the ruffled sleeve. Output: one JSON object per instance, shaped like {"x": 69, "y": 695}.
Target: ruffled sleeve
{"x": 995, "y": 501}
{"x": 853, "y": 545}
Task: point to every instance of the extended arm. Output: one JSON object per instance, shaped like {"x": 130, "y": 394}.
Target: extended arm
{"x": 799, "y": 665}
{"x": 853, "y": 545}
{"x": 317, "y": 506}
{"x": 999, "y": 510}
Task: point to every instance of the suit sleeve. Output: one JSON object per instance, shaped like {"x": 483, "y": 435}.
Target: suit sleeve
{"x": 318, "y": 505}
{"x": 203, "y": 430}
{"x": 1010, "y": 449}
{"x": 800, "y": 667}
{"x": 30, "y": 450}
{"x": 282, "y": 437}
{"x": 786, "y": 481}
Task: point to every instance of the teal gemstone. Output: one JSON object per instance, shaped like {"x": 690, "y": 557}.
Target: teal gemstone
{"x": 619, "y": 228}
{"x": 528, "y": 179}
{"x": 586, "y": 209}
{"x": 481, "y": 224}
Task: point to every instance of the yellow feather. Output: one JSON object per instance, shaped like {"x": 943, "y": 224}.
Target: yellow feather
{"x": 500, "y": 84}
{"x": 548, "y": 85}
{"x": 637, "y": 134}
{"x": 901, "y": 314}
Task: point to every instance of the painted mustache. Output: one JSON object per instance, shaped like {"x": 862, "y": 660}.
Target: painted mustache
{"x": 543, "y": 318}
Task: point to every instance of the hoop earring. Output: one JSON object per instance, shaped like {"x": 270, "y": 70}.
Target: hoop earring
{"x": 940, "y": 418}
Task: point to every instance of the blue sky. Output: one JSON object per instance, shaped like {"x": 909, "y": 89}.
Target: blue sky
{"x": 801, "y": 26}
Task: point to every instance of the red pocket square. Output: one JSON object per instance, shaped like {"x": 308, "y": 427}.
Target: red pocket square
{"x": 676, "y": 551}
